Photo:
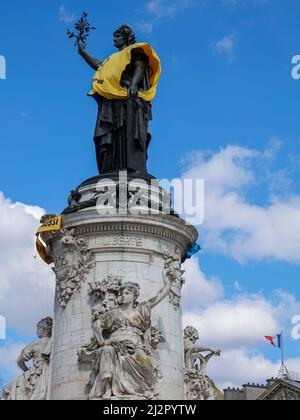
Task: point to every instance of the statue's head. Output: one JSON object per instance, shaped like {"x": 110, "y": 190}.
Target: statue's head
{"x": 44, "y": 328}
{"x": 129, "y": 293}
{"x": 124, "y": 36}
{"x": 191, "y": 334}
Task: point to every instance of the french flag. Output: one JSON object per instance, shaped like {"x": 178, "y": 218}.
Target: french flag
{"x": 275, "y": 341}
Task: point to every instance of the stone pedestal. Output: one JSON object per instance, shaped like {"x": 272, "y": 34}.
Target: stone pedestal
{"x": 135, "y": 248}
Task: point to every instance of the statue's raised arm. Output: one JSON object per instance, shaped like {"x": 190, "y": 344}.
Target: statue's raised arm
{"x": 81, "y": 33}
{"x": 93, "y": 62}
{"x": 169, "y": 277}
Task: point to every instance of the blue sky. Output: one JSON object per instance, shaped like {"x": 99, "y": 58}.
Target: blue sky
{"x": 226, "y": 83}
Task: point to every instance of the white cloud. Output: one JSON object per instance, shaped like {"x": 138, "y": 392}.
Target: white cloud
{"x": 236, "y": 226}
{"x": 157, "y": 11}
{"x": 144, "y": 26}
{"x": 26, "y": 283}
{"x": 199, "y": 290}
{"x": 237, "y": 327}
{"x": 65, "y": 16}
{"x": 240, "y": 321}
{"x": 238, "y": 286}
{"x": 238, "y": 367}
{"x": 8, "y": 358}
{"x": 237, "y": 322}
{"x": 242, "y": 2}
{"x": 226, "y": 46}
{"x": 239, "y": 228}
{"x": 161, "y": 9}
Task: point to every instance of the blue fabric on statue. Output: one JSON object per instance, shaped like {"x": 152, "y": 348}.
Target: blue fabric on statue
{"x": 192, "y": 251}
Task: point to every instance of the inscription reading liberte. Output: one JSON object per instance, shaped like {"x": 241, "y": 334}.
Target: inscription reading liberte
{"x": 123, "y": 241}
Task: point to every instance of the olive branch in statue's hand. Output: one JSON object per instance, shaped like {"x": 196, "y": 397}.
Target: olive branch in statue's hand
{"x": 82, "y": 31}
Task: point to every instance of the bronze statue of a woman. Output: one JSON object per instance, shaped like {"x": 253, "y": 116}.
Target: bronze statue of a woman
{"x": 124, "y": 86}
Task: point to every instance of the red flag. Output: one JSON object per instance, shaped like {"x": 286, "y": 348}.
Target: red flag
{"x": 270, "y": 339}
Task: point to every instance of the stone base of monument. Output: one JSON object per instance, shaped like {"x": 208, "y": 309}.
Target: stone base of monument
{"x": 120, "y": 194}
{"x": 103, "y": 245}
{"x": 121, "y": 398}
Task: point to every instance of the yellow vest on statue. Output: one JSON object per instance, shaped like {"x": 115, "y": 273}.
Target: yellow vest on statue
{"x": 107, "y": 80}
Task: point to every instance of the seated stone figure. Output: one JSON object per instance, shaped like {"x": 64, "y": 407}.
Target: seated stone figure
{"x": 193, "y": 357}
{"x": 198, "y": 385}
{"x": 33, "y": 382}
{"x": 123, "y": 347}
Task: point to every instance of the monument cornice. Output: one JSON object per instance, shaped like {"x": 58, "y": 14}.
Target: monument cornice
{"x": 162, "y": 226}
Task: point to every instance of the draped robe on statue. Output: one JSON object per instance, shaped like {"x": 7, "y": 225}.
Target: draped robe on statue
{"x": 128, "y": 359}
{"x": 32, "y": 384}
{"x": 122, "y": 133}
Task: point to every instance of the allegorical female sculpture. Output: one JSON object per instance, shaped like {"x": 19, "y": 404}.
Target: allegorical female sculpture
{"x": 123, "y": 87}
{"x": 32, "y": 384}
{"x": 122, "y": 350}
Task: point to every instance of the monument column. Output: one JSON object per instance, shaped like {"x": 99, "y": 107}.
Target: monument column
{"x": 133, "y": 248}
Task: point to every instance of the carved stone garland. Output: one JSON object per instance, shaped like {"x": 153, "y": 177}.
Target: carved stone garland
{"x": 72, "y": 260}
{"x": 173, "y": 265}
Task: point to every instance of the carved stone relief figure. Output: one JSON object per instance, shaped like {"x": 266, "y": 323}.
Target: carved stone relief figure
{"x": 198, "y": 385}
{"x": 32, "y": 384}
{"x": 173, "y": 264}
{"x": 122, "y": 352}
{"x": 72, "y": 260}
